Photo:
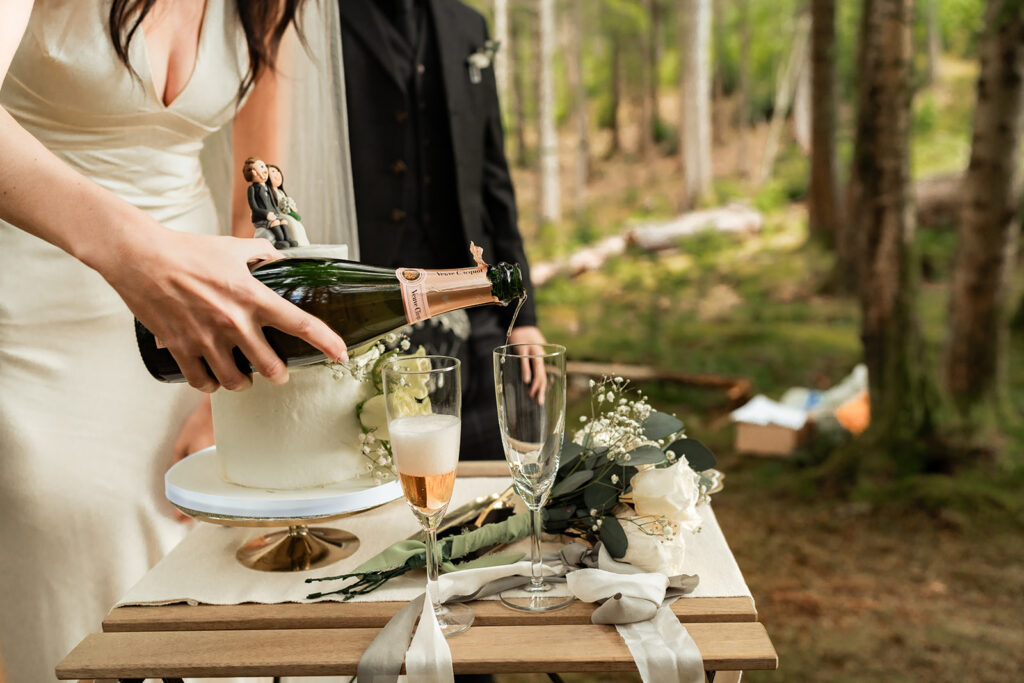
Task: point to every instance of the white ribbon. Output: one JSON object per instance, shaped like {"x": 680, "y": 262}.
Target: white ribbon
{"x": 428, "y": 657}
{"x": 663, "y": 650}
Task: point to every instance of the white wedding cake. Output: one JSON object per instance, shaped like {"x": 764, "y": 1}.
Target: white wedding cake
{"x": 302, "y": 434}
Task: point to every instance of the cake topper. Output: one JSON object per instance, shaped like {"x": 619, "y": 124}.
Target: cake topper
{"x": 295, "y": 231}
{"x": 265, "y": 213}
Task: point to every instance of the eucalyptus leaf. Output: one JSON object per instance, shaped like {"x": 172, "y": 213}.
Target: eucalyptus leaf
{"x": 558, "y": 513}
{"x": 600, "y": 495}
{"x": 572, "y": 482}
{"x": 570, "y": 452}
{"x": 661, "y": 425}
{"x": 696, "y": 453}
{"x": 613, "y": 537}
{"x": 646, "y": 455}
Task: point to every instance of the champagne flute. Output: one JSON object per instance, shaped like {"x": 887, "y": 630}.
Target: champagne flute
{"x": 423, "y": 399}
{"x": 529, "y": 381}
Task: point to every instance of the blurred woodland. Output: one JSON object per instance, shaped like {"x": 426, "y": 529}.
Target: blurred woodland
{"x": 862, "y": 161}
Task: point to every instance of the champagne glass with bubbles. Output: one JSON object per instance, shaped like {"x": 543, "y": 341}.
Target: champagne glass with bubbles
{"x": 529, "y": 381}
{"x": 423, "y": 399}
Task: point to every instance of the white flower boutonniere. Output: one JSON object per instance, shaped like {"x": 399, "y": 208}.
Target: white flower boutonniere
{"x": 480, "y": 60}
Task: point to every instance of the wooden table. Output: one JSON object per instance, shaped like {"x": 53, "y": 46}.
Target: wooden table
{"x": 326, "y": 638}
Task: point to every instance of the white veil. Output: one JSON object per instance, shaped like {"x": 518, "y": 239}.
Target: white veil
{"x": 314, "y": 142}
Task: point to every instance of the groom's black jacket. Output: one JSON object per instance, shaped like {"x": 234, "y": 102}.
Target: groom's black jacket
{"x": 427, "y": 145}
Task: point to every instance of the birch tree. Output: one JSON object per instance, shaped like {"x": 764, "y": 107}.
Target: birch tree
{"x": 695, "y": 98}
{"x": 976, "y": 358}
{"x": 551, "y": 209}
{"x": 501, "y": 59}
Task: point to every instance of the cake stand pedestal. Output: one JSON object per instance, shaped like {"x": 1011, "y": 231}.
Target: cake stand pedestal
{"x": 195, "y": 486}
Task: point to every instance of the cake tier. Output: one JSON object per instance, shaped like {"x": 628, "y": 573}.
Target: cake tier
{"x": 297, "y": 435}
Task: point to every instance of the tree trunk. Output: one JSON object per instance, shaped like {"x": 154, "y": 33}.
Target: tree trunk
{"x": 743, "y": 118}
{"x": 901, "y": 407}
{"x": 501, "y": 58}
{"x": 802, "y": 106}
{"x": 518, "y": 94}
{"x": 846, "y": 275}
{"x": 575, "y": 33}
{"x": 616, "y": 94}
{"x": 934, "y": 41}
{"x": 653, "y": 61}
{"x": 695, "y": 99}
{"x": 646, "y": 113}
{"x": 784, "y": 90}
{"x": 718, "y": 107}
{"x": 823, "y": 195}
{"x": 551, "y": 208}
{"x": 975, "y": 364}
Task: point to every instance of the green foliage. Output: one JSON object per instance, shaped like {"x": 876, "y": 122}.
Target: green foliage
{"x": 925, "y": 115}
{"x": 937, "y": 247}
{"x": 960, "y": 25}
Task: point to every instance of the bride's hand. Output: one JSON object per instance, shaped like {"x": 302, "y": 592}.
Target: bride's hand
{"x": 196, "y": 432}
{"x": 195, "y": 293}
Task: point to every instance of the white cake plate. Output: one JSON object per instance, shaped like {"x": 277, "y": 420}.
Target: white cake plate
{"x": 196, "y": 487}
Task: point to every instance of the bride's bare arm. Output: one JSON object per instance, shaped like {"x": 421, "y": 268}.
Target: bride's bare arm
{"x": 192, "y": 291}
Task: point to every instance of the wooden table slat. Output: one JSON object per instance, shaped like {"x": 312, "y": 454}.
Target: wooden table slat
{"x": 318, "y": 652}
{"x": 376, "y": 614}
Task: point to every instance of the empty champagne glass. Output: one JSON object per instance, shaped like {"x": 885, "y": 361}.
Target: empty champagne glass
{"x": 529, "y": 381}
{"x": 423, "y": 399}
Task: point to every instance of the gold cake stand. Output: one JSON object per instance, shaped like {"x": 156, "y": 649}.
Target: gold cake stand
{"x": 195, "y": 486}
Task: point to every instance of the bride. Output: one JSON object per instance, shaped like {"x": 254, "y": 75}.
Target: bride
{"x": 106, "y": 213}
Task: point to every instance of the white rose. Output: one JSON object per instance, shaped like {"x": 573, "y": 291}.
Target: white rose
{"x": 652, "y": 552}
{"x": 670, "y": 492}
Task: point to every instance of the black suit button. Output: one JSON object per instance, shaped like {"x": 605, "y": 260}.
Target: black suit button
{"x": 398, "y": 167}
{"x": 401, "y": 115}
{"x": 397, "y": 215}
{"x": 426, "y": 179}
{"x": 426, "y": 217}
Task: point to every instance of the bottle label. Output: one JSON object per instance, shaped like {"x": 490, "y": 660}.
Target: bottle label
{"x": 426, "y": 293}
{"x": 414, "y": 293}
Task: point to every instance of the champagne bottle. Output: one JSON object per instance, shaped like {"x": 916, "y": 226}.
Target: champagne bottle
{"x": 358, "y": 301}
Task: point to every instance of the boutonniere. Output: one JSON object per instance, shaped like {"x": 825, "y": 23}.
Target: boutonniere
{"x": 481, "y": 59}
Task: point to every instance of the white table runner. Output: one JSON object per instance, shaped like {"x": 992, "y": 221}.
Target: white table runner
{"x": 202, "y": 569}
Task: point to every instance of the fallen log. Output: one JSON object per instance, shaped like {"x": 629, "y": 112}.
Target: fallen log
{"x": 731, "y": 218}
{"x": 737, "y": 389}
{"x": 651, "y": 237}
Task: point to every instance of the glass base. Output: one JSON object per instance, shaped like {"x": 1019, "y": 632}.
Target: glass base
{"x": 454, "y": 618}
{"x": 537, "y": 601}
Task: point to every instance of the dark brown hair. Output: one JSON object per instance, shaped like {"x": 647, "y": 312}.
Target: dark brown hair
{"x": 264, "y": 23}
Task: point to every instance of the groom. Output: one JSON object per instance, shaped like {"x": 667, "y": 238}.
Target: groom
{"x": 429, "y": 169}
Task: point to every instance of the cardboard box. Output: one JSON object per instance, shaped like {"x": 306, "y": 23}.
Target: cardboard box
{"x": 769, "y": 439}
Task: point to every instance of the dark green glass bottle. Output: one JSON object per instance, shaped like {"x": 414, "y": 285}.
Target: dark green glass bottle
{"x": 357, "y": 301}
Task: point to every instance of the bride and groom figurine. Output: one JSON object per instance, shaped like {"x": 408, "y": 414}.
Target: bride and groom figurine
{"x": 273, "y": 211}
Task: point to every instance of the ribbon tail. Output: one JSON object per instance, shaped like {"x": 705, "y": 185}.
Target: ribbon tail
{"x": 663, "y": 650}
{"x": 428, "y": 659}
{"x": 382, "y": 660}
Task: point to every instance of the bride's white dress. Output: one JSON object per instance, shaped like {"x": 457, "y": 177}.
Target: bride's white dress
{"x": 85, "y": 432}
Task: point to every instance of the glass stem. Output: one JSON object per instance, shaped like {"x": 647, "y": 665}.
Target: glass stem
{"x": 432, "y": 587}
{"x": 536, "y": 577}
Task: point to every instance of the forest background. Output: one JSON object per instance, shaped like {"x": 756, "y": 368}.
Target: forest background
{"x": 872, "y": 151}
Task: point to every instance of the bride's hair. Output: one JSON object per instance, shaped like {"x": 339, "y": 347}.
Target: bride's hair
{"x": 264, "y": 23}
